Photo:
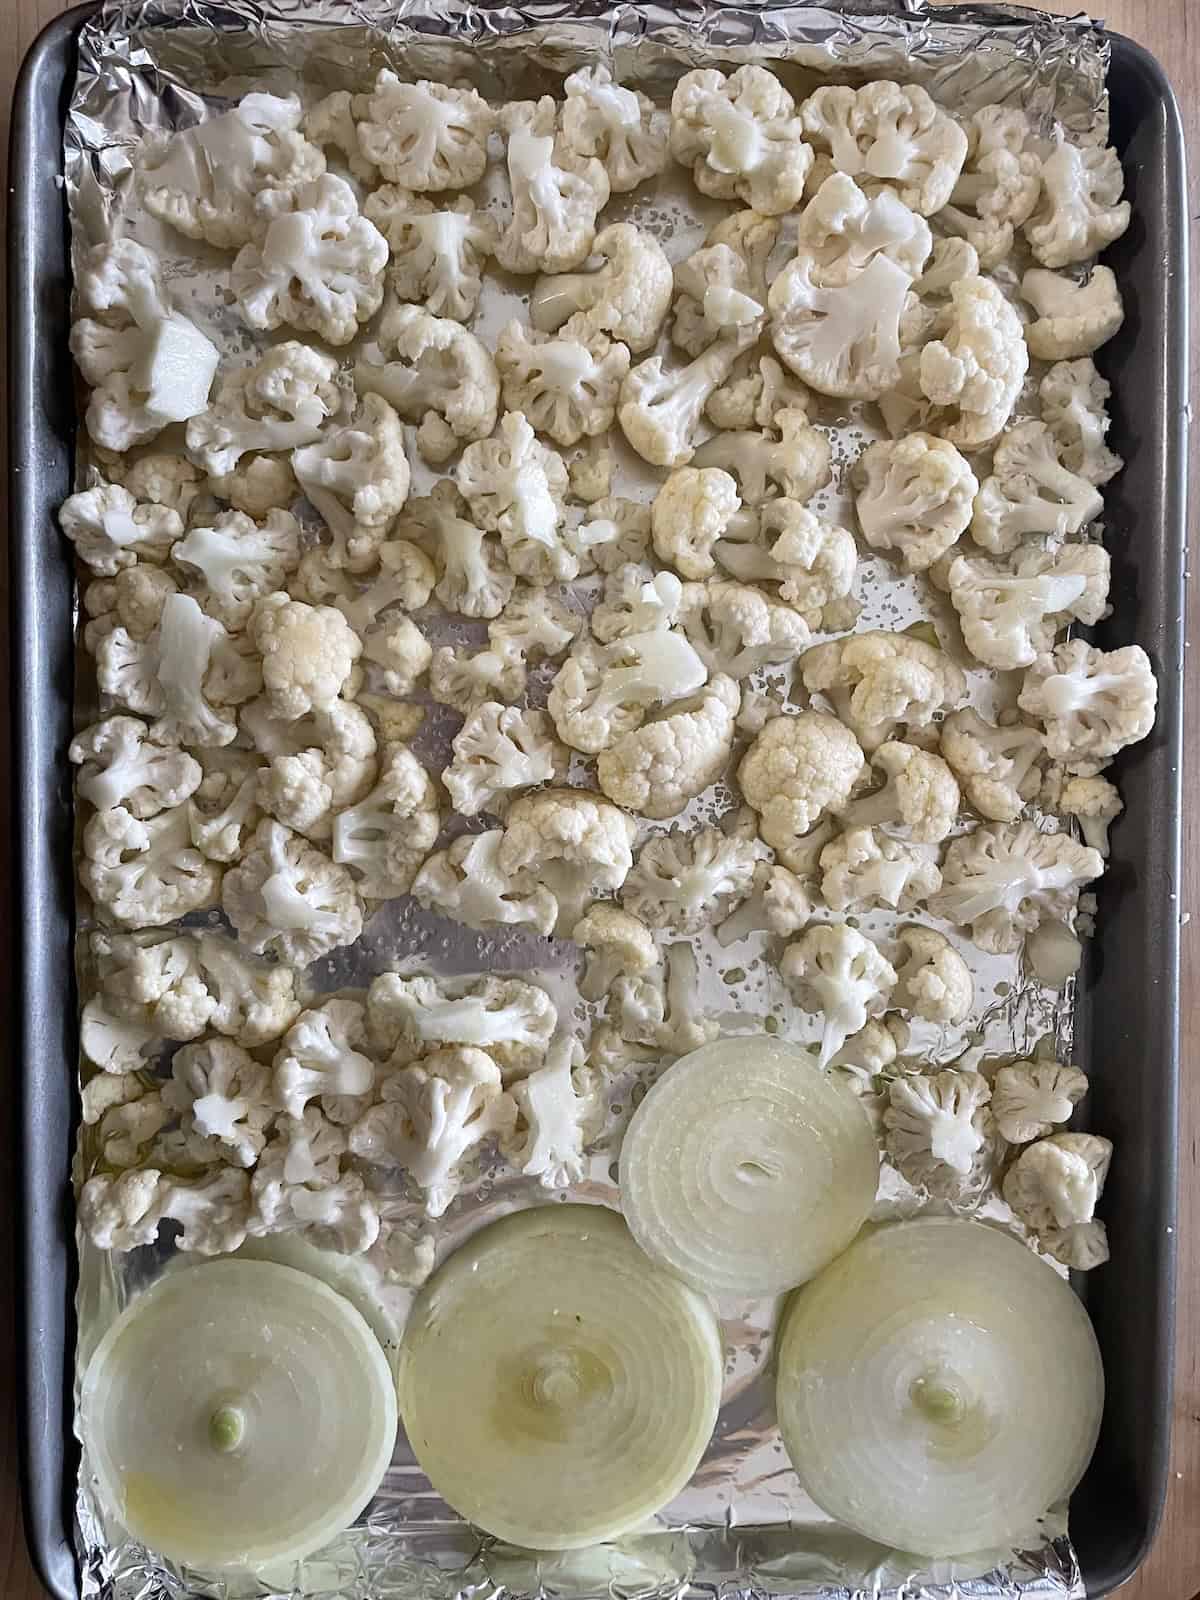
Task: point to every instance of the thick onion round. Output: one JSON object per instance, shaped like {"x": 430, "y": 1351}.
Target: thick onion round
{"x": 939, "y": 1387}
{"x": 745, "y": 1169}
{"x": 238, "y": 1413}
{"x": 556, "y": 1387}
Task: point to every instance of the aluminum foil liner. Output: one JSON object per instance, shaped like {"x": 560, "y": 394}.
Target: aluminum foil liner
{"x": 742, "y": 1528}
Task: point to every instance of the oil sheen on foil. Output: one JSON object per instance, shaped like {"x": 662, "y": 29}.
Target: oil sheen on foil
{"x": 743, "y": 1527}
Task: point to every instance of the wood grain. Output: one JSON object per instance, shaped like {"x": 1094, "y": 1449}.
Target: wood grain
{"x": 1171, "y": 30}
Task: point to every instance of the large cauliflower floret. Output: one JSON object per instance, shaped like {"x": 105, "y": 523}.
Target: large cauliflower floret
{"x": 111, "y": 530}
{"x": 1073, "y": 319}
{"x": 736, "y": 630}
{"x": 319, "y": 266}
{"x": 741, "y": 137}
{"x": 1003, "y": 879}
{"x": 878, "y": 682}
{"x": 842, "y": 339}
{"x": 864, "y": 868}
{"x": 237, "y": 560}
{"x": 145, "y": 873}
{"x": 498, "y": 751}
{"x": 287, "y": 897}
{"x": 438, "y": 253}
{"x": 331, "y": 125}
{"x": 357, "y": 476}
{"x": 834, "y": 970}
{"x": 687, "y": 881}
{"x": 319, "y": 1058}
{"x": 914, "y": 497}
{"x": 661, "y": 766}
{"x": 813, "y": 562}
{"x": 223, "y": 1098}
{"x": 388, "y": 834}
{"x": 472, "y": 577}
{"x": 159, "y": 478}
{"x": 1031, "y": 1098}
{"x": 276, "y": 403}
{"x": 1010, "y": 615}
{"x": 424, "y": 135}
{"x": 468, "y": 883}
{"x": 939, "y": 1133}
{"x": 691, "y": 512}
{"x": 997, "y": 767}
{"x": 566, "y": 387}
{"x": 434, "y": 372}
{"x": 574, "y": 842}
{"x": 308, "y": 654}
{"x": 920, "y": 797}
{"x": 795, "y": 465}
{"x": 515, "y": 486}
{"x": 618, "y": 126}
{"x": 1075, "y": 408}
{"x": 636, "y": 600}
{"x": 1091, "y": 702}
{"x": 390, "y": 639}
{"x": 798, "y": 768}
{"x": 975, "y": 371}
{"x": 887, "y": 133}
{"x": 660, "y": 412}
{"x": 125, "y": 1211}
{"x": 627, "y": 297}
{"x": 713, "y": 293}
{"x": 121, "y": 764}
{"x": 999, "y": 185}
{"x": 556, "y": 195}
{"x": 604, "y": 691}
{"x": 513, "y": 1021}
{"x": 933, "y": 980}
{"x": 1080, "y": 211}
{"x": 223, "y": 813}
{"x": 1030, "y": 491}
{"x": 842, "y": 229}
{"x": 340, "y": 736}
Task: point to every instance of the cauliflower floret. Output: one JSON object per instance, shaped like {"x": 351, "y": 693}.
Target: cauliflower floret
{"x": 1010, "y": 616}
{"x": 573, "y": 842}
{"x": 1094, "y": 803}
{"x": 319, "y": 1057}
{"x": 797, "y": 768}
{"x": 691, "y": 512}
{"x": 424, "y": 135}
{"x": 997, "y": 767}
{"x": 515, "y": 486}
{"x": 122, "y": 764}
{"x": 111, "y": 530}
{"x": 250, "y": 1003}
{"x": 533, "y": 625}
{"x": 220, "y": 180}
{"x": 736, "y": 630}
{"x": 628, "y": 297}
{"x": 795, "y": 465}
{"x": 117, "y": 1035}
{"x": 661, "y": 766}
{"x": 566, "y": 387}
{"x": 884, "y": 132}
{"x": 914, "y": 496}
{"x": 341, "y": 736}
{"x": 133, "y": 600}
{"x": 620, "y": 127}
{"x": 832, "y": 969}
{"x": 974, "y": 373}
{"x": 472, "y": 577}
{"x": 741, "y": 137}
{"x": 999, "y": 185}
{"x": 238, "y": 561}
{"x": 467, "y": 682}
{"x": 590, "y": 472}
{"x": 558, "y": 1108}
{"x": 1091, "y": 702}
{"x": 357, "y": 476}
{"x": 920, "y": 797}
{"x": 662, "y": 1009}
{"x": 934, "y": 981}
{"x": 939, "y": 1132}
{"x": 687, "y": 881}
{"x": 331, "y": 124}
{"x": 713, "y": 292}
{"x": 223, "y": 1097}
{"x": 1030, "y": 491}
{"x": 1055, "y": 1183}
{"x": 387, "y": 835}
{"x": 125, "y": 1211}
{"x": 434, "y": 372}
{"x": 1080, "y": 211}
{"x": 145, "y": 873}
{"x": 319, "y": 266}
{"x": 438, "y": 253}
{"x": 1003, "y": 879}
{"x": 604, "y": 691}
{"x": 395, "y": 643}
{"x": 1075, "y": 408}
{"x": 659, "y": 412}
{"x": 761, "y": 398}
{"x": 813, "y": 562}
{"x": 619, "y": 944}
{"x": 1073, "y": 319}
{"x": 511, "y": 1020}
{"x": 468, "y": 883}
{"x": 615, "y": 532}
{"x": 158, "y": 478}
{"x": 556, "y": 195}
{"x": 288, "y": 897}
{"x": 864, "y": 868}
{"x": 878, "y": 682}
{"x": 636, "y": 600}
{"x": 1031, "y": 1098}
{"x": 276, "y": 403}
{"x": 308, "y": 654}
{"x": 258, "y": 485}
{"x": 842, "y": 229}
{"x": 223, "y": 812}
{"x": 498, "y": 751}
{"x": 299, "y": 1187}
{"x": 841, "y": 339}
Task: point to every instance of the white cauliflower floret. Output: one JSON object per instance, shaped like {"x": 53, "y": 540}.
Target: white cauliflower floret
{"x": 1075, "y": 408}
{"x": 468, "y": 883}
{"x": 159, "y": 478}
{"x": 511, "y": 1020}
{"x": 616, "y": 531}
{"x": 299, "y": 1187}
{"x": 558, "y": 1106}
{"x": 573, "y": 842}
{"x": 1073, "y": 319}
{"x": 813, "y": 562}
{"x": 424, "y": 135}
{"x": 619, "y": 945}
{"x": 472, "y": 577}
{"x": 914, "y": 497}
{"x": 145, "y": 873}
{"x": 1031, "y": 1098}
{"x": 258, "y": 485}
{"x": 133, "y": 599}
{"x": 878, "y": 682}
{"x": 223, "y": 1097}
{"x": 660, "y": 412}
{"x": 122, "y": 764}
{"x": 1055, "y": 1183}
{"x": 999, "y": 184}
{"x": 687, "y": 881}
{"x": 590, "y": 471}
{"x": 885, "y": 132}
{"x": 864, "y": 868}
{"x": 566, "y": 387}
{"x": 331, "y": 124}
{"x": 795, "y": 465}
{"x": 556, "y": 195}
{"x": 391, "y": 640}
{"x": 438, "y": 253}
{"x": 741, "y": 137}
{"x": 797, "y": 768}
{"x": 319, "y": 266}
{"x": 1010, "y": 615}
{"x": 842, "y": 229}
{"x": 288, "y": 897}
{"x": 919, "y": 797}
{"x": 713, "y": 292}
{"x": 467, "y": 682}
{"x": 220, "y": 180}
{"x": 1094, "y": 803}
{"x": 319, "y": 1057}
{"x": 1091, "y": 702}
{"x": 533, "y": 626}
{"x": 1080, "y": 211}
{"x": 691, "y": 511}
{"x": 238, "y": 560}
{"x": 760, "y": 398}
{"x": 250, "y": 1003}
{"x": 661, "y": 766}
{"x": 833, "y": 970}
{"x": 515, "y": 486}
{"x": 939, "y": 1132}
{"x": 435, "y": 373}
{"x": 111, "y": 530}
{"x": 865, "y": 1055}
{"x": 662, "y": 1009}
{"x": 975, "y": 371}
{"x": 340, "y": 736}
{"x": 636, "y": 600}
{"x": 117, "y": 1035}
{"x": 933, "y": 982}
{"x": 1003, "y": 879}
{"x": 841, "y": 339}
{"x": 736, "y": 630}
{"x": 223, "y": 812}
{"x": 997, "y": 767}
{"x": 1030, "y": 491}
{"x": 619, "y": 126}
{"x": 357, "y": 476}
{"x": 125, "y": 1211}
{"x": 279, "y": 402}
{"x": 498, "y": 751}
{"x": 388, "y": 834}
{"x": 628, "y": 297}
{"x": 604, "y": 691}
{"x": 308, "y": 654}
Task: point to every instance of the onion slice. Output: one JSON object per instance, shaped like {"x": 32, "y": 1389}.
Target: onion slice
{"x": 939, "y": 1387}
{"x": 745, "y": 1169}
{"x": 237, "y": 1413}
{"x": 556, "y": 1387}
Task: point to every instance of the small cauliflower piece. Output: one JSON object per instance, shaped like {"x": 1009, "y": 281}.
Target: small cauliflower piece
{"x": 533, "y": 626}
{"x": 468, "y": 883}
{"x": 513, "y": 1021}
{"x": 111, "y": 530}
{"x": 145, "y": 873}
{"x": 125, "y": 1211}
{"x": 1092, "y": 703}
{"x": 841, "y": 339}
{"x": 741, "y": 137}
{"x": 636, "y": 600}
{"x": 797, "y": 768}
{"x": 308, "y": 654}
{"x": 1075, "y": 409}
{"x": 673, "y": 757}
{"x": 919, "y": 797}
{"x": 340, "y": 736}
{"x": 133, "y": 599}
{"x": 276, "y": 403}
{"x": 627, "y": 297}
{"x": 736, "y": 630}
{"x": 997, "y": 767}
{"x": 556, "y": 195}
{"x": 1010, "y": 615}
{"x": 712, "y": 290}
{"x": 604, "y": 691}
{"x": 1031, "y": 1098}
{"x": 566, "y": 387}
{"x": 615, "y": 532}
{"x": 299, "y": 1187}
{"x": 688, "y": 881}
{"x": 572, "y": 841}
{"x": 933, "y": 981}
{"x": 515, "y": 486}
{"x": 887, "y": 133}
{"x": 1094, "y": 803}
{"x": 258, "y": 485}
{"x": 760, "y": 398}
{"x": 999, "y": 185}
{"x": 914, "y": 497}
{"x": 619, "y": 945}
{"x": 795, "y": 465}
{"x": 813, "y": 562}
{"x": 223, "y": 812}
{"x": 1080, "y": 211}
{"x": 864, "y": 868}
{"x": 424, "y": 135}
{"x": 662, "y": 1009}
{"x": 834, "y": 970}
{"x": 878, "y": 682}
{"x": 842, "y": 229}
{"x": 691, "y": 511}
{"x": 1003, "y": 879}
{"x": 223, "y": 1098}
{"x": 975, "y": 371}
{"x": 501, "y": 750}
{"x": 556, "y": 1104}
{"x": 288, "y": 897}
{"x": 1073, "y": 319}
{"x": 1055, "y": 1183}
{"x": 938, "y": 1133}
{"x": 239, "y": 560}
{"x": 331, "y": 124}
{"x": 319, "y": 1057}
{"x": 159, "y": 478}
{"x": 1030, "y": 491}
{"x": 619, "y": 127}
{"x": 388, "y": 834}
{"x": 467, "y": 682}
{"x": 660, "y": 412}
{"x": 472, "y": 577}
{"x": 438, "y": 253}
{"x": 434, "y": 372}
{"x": 357, "y": 476}
{"x": 122, "y": 764}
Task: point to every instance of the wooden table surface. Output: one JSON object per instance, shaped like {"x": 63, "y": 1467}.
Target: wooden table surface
{"x": 1171, "y": 30}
